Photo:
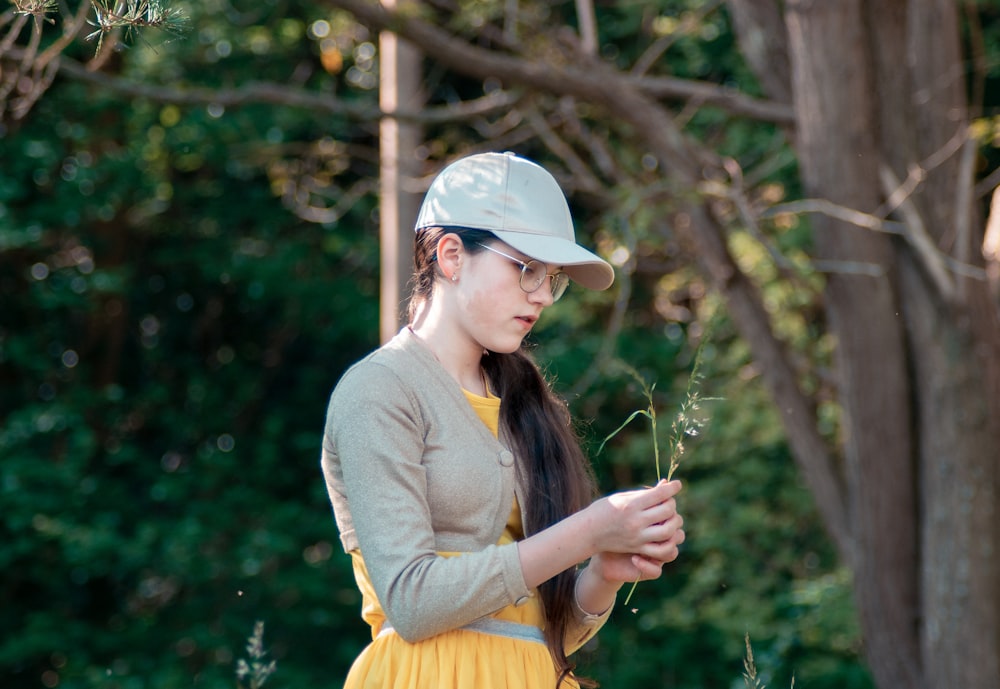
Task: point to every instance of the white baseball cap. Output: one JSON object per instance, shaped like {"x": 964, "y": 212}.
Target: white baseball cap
{"x": 520, "y": 203}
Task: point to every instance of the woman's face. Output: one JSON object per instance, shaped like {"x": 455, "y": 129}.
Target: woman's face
{"x": 493, "y": 310}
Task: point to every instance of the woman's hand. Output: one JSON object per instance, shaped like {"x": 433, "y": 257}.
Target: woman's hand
{"x": 621, "y": 568}
{"x": 641, "y": 522}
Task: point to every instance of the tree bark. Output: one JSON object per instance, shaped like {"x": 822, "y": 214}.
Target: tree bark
{"x": 838, "y": 153}
{"x": 760, "y": 30}
{"x": 879, "y": 84}
{"x": 955, "y": 362}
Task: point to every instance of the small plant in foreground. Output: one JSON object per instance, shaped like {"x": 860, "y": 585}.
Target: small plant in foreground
{"x": 750, "y": 678}
{"x": 255, "y": 670}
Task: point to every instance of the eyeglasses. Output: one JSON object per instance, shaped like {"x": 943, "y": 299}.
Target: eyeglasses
{"x": 533, "y": 275}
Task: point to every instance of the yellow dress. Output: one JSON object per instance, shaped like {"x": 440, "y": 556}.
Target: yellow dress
{"x": 460, "y": 658}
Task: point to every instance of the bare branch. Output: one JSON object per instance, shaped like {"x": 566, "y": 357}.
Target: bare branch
{"x": 871, "y": 222}
{"x": 577, "y": 167}
{"x": 17, "y": 79}
{"x": 72, "y": 30}
{"x": 13, "y": 32}
{"x": 872, "y": 270}
{"x": 279, "y": 94}
{"x": 595, "y": 145}
{"x": 916, "y": 235}
{"x": 40, "y": 83}
{"x": 606, "y": 352}
{"x": 305, "y": 199}
{"x": 987, "y": 185}
{"x": 735, "y": 193}
{"x": 830, "y": 209}
{"x": 728, "y": 99}
{"x": 663, "y": 43}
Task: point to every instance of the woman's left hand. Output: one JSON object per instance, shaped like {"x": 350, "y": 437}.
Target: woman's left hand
{"x": 608, "y": 571}
{"x": 626, "y": 567}
{"x": 619, "y": 568}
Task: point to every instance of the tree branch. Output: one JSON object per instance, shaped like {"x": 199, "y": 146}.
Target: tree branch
{"x": 916, "y": 235}
{"x": 728, "y": 99}
{"x": 279, "y": 94}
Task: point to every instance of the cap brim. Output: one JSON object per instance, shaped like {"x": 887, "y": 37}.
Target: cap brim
{"x": 582, "y": 266}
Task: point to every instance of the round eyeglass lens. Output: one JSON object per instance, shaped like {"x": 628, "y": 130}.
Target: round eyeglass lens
{"x": 560, "y": 281}
{"x": 533, "y": 275}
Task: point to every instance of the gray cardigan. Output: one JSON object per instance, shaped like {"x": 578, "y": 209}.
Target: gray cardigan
{"x": 411, "y": 470}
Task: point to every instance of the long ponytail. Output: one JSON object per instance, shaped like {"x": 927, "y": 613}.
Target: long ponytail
{"x": 558, "y": 477}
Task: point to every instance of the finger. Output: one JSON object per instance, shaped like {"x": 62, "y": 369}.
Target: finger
{"x": 669, "y": 488}
{"x": 645, "y": 498}
{"x": 661, "y": 552}
{"x": 670, "y": 531}
{"x": 663, "y": 530}
{"x": 661, "y": 496}
{"x": 647, "y": 568}
{"x": 661, "y": 512}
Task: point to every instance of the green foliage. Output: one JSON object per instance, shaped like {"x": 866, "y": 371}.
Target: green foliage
{"x": 168, "y": 337}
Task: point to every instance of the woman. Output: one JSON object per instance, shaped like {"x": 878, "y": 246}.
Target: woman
{"x": 458, "y": 486}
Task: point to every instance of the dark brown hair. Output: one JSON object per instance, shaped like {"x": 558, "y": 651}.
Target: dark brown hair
{"x": 558, "y": 477}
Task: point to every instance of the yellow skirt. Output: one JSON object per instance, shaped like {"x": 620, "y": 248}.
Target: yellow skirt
{"x": 453, "y": 660}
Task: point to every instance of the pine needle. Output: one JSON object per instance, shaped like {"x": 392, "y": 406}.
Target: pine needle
{"x": 133, "y": 16}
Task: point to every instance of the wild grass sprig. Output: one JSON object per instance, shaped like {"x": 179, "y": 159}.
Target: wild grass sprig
{"x": 750, "y": 678}
{"x": 687, "y": 423}
{"x": 256, "y": 669}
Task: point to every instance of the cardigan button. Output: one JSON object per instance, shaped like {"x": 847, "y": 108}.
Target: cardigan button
{"x": 507, "y": 458}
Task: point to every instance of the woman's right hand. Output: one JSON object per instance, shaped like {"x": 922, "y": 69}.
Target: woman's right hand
{"x": 644, "y": 522}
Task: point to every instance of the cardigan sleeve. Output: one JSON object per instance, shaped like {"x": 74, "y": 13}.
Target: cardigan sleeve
{"x": 372, "y": 453}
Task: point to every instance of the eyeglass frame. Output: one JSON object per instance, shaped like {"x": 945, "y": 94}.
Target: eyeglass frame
{"x": 556, "y": 289}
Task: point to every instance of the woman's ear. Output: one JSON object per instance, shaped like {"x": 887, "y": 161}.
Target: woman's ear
{"x": 450, "y": 252}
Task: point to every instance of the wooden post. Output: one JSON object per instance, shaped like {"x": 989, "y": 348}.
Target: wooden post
{"x": 400, "y": 76}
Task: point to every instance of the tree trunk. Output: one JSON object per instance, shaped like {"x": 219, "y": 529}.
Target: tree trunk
{"x": 836, "y": 116}
{"x": 878, "y": 84}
